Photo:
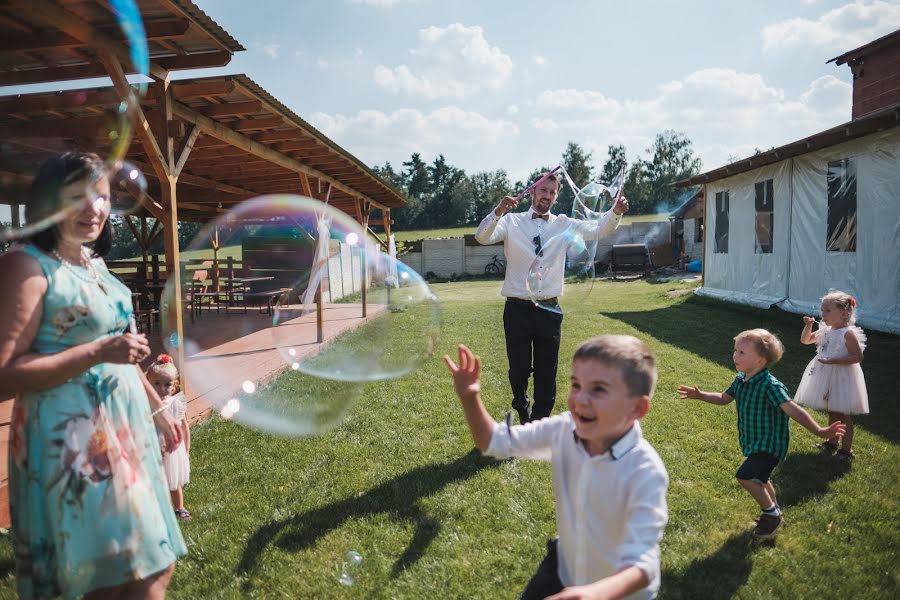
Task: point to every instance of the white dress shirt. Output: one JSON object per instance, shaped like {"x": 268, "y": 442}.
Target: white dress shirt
{"x": 557, "y": 234}
{"x": 611, "y": 508}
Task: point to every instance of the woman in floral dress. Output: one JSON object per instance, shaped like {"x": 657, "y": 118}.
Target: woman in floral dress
{"x": 89, "y": 502}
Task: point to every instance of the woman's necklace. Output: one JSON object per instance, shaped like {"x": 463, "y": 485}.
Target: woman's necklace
{"x": 95, "y": 276}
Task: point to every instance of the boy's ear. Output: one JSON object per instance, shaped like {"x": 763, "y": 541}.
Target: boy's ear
{"x": 642, "y": 407}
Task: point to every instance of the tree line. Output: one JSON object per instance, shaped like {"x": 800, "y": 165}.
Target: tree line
{"x": 443, "y": 195}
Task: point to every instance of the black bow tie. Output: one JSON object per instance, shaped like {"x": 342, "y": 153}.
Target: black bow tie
{"x": 534, "y": 215}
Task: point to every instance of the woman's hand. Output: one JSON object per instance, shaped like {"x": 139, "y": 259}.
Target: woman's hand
{"x": 125, "y": 349}
{"x": 168, "y": 428}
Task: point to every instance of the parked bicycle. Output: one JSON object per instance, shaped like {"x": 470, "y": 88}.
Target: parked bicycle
{"x": 496, "y": 267}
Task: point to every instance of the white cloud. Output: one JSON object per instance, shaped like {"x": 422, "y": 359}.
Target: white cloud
{"x": 377, "y": 136}
{"x": 512, "y": 110}
{"x": 539, "y": 60}
{"x": 273, "y": 49}
{"x": 722, "y": 111}
{"x": 380, "y": 3}
{"x": 839, "y": 30}
{"x": 453, "y": 61}
{"x": 322, "y": 63}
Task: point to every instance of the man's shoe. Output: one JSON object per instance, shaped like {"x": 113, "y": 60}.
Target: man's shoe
{"x": 524, "y": 414}
{"x": 766, "y": 526}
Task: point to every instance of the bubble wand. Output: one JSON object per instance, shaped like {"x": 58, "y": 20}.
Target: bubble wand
{"x": 537, "y": 183}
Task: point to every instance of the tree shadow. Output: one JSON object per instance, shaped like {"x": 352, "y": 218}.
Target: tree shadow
{"x": 706, "y": 328}
{"x": 397, "y": 499}
{"x": 803, "y": 477}
{"x": 715, "y": 577}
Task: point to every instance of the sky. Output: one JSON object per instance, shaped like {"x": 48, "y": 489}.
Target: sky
{"x": 506, "y": 84}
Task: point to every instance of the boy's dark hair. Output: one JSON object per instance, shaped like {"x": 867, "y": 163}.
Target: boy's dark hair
{"x": 44, "y": 202}
{"x": 766, "y": 343}
{"x": 630, "y": 355}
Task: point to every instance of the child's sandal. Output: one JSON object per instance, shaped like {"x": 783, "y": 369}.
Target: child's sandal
{"x": 183, "y": 514}
{"x": 846, "y": 455}
{"x": 827, "y": 446}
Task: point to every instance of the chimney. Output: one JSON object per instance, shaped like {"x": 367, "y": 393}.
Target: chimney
{"x": 876, "y": 74}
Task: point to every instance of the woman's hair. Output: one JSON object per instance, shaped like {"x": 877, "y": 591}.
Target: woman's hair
{"x": 841, "y": 301}
{"x": 765, "y": 342}
{"x": 55, "y": 174}
{"x": 163, "y": 365}
{"x": 633, "y": 358}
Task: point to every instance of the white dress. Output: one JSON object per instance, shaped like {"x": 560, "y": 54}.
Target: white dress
{"x": 176, "y": 463}
{"x": 835, "y": 388}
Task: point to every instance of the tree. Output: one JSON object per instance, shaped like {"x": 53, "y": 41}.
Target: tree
{"x": 488, "y": 189}
{"x": 615, "y": 156}
{"x": 577, "y": 162}
{"x": 672, "y": 159}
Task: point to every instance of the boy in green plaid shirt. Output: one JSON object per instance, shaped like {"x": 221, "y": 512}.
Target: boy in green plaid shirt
{"x": 764, "y": 410}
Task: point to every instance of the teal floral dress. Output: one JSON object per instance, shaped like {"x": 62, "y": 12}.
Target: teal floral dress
{"x": 89, "y": 501}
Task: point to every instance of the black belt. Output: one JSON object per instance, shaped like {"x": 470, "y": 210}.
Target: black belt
{"x": 543, "y": 301}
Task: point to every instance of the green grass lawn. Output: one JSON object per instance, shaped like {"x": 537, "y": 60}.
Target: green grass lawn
{"x": 398, "y": 482}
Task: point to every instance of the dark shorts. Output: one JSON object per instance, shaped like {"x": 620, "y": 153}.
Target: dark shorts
{"x": 545, "y": 582}
{"x": 757, "y": 467}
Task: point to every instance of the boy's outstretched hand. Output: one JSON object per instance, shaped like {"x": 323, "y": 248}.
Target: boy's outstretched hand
{"x": 466, "y": 376}
{"x": 836, "y": 429}
{"x": 688, "y": 391}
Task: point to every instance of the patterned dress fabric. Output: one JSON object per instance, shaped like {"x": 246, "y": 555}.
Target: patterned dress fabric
{"x": 835, "y": 388}
{"x": 88, "y": 496}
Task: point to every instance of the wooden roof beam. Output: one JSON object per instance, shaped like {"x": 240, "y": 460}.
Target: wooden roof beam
{"x": 202, "y": 89}
{"x": 193, "y": 61}
{"x": 50, "y": 13}
{"x": 232, "y": 109}
{"x": 238, "y": 140}
{"x": 266, "y": 122}
{"x": 48, "y": 40}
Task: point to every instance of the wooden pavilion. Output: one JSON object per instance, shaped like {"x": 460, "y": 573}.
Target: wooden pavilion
{"x": 204, "y": 144}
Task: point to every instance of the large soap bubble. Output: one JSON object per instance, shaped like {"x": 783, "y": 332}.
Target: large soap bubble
{"x": 249, "y": 284}
{"x": 35, "y": 126}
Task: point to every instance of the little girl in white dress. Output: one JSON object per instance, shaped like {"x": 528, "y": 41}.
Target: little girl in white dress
{"x": 833, "y": 380}
{"x": 163, "y": 376}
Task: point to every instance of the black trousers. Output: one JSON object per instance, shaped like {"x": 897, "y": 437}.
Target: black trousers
{"x": 545, "y": 582}
{"x": 532, "y": 346}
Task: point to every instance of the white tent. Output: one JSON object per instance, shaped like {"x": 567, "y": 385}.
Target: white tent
{"x": 786, "y": 233}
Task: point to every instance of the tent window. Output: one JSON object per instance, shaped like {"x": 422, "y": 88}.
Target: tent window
{"x": 841, "y": 206}
{"x": 721, "y": 223}
{"x": 765, "y": 216}
{"x": 698, "y": 230}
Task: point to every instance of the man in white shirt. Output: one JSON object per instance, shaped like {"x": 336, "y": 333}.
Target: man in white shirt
{"x": 609, "y": 483}
{"x": 533, "y": 329}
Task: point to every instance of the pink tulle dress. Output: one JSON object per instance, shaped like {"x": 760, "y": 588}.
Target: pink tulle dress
{"x": 835, "y": 388}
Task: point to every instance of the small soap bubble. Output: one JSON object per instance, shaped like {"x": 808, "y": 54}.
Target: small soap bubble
{"x": 350, "y": 568}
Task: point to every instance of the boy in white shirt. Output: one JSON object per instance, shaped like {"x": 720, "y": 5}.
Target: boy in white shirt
{"x": 609, "y": 483}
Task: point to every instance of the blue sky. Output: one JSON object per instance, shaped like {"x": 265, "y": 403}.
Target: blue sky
{"x": 506, "y": 84}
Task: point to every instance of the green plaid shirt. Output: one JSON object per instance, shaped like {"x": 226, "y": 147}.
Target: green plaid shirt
{"x": 762, "y": 425}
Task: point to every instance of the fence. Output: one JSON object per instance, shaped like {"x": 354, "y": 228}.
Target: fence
{"x": 465, "y": 256}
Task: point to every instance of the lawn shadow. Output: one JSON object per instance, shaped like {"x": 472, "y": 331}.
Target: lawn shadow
{"x": 803, "y": 477}
{"x": 715, "y": 577}
{"x": 397, "y": 499}
{"x": 706, "y": 328}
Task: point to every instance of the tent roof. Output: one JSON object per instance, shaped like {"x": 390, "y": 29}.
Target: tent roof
{"x": 885, "y": 118}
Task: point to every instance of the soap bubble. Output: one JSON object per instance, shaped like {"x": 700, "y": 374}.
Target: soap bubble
{"x": 35, "y": 126}
{"x": 350, "y": 567}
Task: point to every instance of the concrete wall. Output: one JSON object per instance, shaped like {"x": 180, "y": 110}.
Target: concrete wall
{"x": 693, "y": 250}
{"x": 460, "y": 256}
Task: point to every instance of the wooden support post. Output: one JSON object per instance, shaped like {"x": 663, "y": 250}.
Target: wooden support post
{"x": 386, "y": 215}
{"x": 16, "y": 218}
{"x": 364, "y": 266}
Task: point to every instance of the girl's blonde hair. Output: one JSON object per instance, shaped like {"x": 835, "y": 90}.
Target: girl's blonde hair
{"x": 765, "y": 342}
{"x": 841, "y": 301}
{"x": 163, "y": 365}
